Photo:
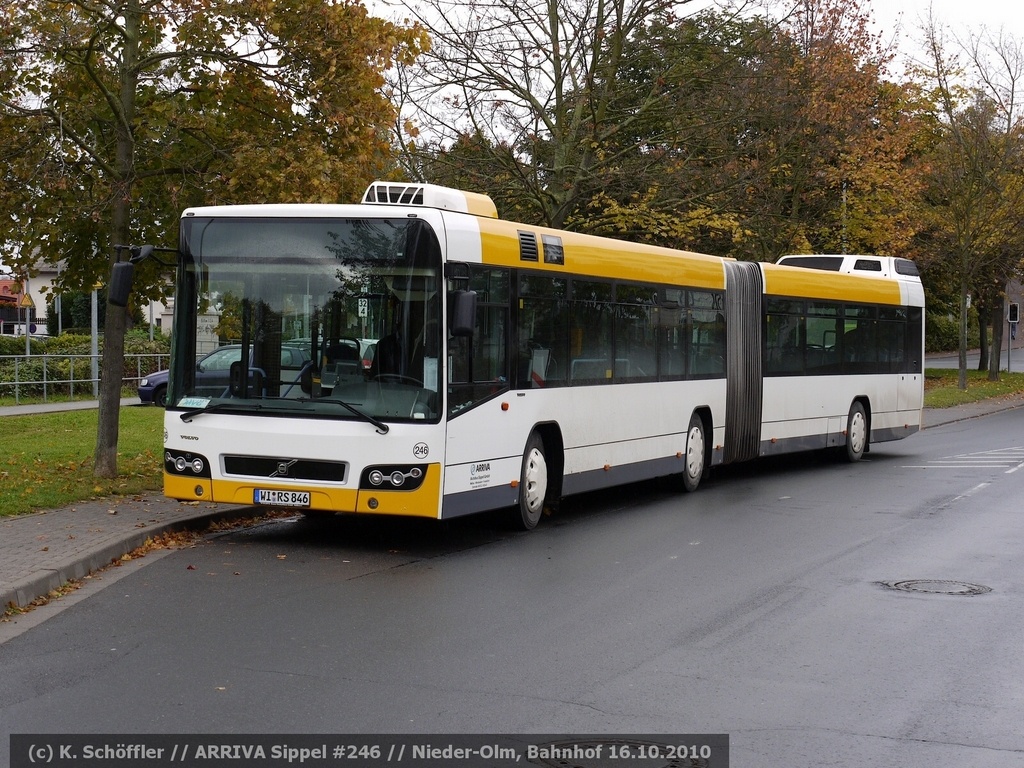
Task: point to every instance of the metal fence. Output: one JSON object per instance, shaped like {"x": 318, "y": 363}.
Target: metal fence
{"x": 67, "y": 376}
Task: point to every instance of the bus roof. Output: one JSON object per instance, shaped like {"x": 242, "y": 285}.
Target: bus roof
{"x": 854, "y": 264}
{"x": 430, "y": 196}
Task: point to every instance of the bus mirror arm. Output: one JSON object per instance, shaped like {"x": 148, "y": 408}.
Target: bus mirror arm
{"x": 123, "y": 272}
{"x": 463, "y": 313}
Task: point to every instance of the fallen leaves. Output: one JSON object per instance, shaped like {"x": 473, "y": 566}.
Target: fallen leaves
{"x": 167, "y": 540}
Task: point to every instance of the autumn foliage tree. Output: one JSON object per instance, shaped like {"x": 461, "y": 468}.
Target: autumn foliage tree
{"x": 115, "y": 115}
{"x": 975, "y": 173}
{"x": 720, "y": 130}
{"x": 526, "y": 99}
{"x": 837, "y": 175}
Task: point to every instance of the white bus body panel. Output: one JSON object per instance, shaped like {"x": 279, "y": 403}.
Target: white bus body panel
{"x": 612, "y": 434}
{"x": 790, "y": 423}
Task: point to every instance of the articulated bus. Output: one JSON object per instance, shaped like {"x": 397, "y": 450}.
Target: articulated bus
{"x": 457, "y": 362}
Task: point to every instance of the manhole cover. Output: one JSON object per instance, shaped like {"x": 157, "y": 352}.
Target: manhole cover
{"x": 937, "y": 587}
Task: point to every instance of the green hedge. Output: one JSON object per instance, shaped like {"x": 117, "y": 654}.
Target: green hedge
{"x": 15, "y": 345}
{"x": 57, "y": 363}
{"x": 942, "y": 333}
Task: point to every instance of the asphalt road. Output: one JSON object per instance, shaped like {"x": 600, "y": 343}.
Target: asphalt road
{"x": 764, "y": 606}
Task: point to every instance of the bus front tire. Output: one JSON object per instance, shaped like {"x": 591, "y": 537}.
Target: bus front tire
{"x": 695, "y": 454}
{"x": 856, "y": 432}
{"x": 533, "y": 485}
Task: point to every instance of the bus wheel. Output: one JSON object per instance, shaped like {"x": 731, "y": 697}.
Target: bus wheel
{"x": 533, "y": 484}
{"x": 856, "y": 432}
{"x": 695, "y": 444}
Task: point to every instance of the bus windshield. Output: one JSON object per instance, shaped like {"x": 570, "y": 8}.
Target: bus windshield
{"x": 335, "y": 317}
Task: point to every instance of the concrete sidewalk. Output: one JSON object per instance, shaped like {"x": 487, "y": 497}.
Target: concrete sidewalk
{"x": 75, "y": 405}
{"x": 42, "y": 551}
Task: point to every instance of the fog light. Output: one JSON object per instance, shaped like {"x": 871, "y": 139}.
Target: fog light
{"x": 372, "y": 503}
{"x": 199, "y": 490}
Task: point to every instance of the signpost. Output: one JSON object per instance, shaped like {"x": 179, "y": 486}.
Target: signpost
{"x": 28, "y": 305}
{"x": 1012, "y": 318}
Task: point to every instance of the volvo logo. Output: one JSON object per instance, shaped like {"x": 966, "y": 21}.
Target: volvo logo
{"x": 283, "y": 467}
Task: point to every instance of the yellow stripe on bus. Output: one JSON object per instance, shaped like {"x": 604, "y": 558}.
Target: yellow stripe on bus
{"x": 480, "y": 205}
{"x": 591, "y": 256}
{"x": 819, "y": 284}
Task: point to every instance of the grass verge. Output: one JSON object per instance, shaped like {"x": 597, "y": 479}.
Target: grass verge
{"x": 941, "y": 388}
{"x": 46, "y": 459}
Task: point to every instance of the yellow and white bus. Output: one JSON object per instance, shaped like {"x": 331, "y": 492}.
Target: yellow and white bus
{"x": 459, "y": 363}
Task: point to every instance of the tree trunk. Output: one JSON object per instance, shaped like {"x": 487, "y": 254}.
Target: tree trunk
{"x": 105, "y": 459}
{"x": 983, "y": 347}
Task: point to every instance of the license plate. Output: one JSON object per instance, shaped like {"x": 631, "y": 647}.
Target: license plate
{"x": 281, "y": 498}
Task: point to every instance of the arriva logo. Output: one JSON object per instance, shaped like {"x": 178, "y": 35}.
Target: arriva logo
{"x": 482, "y": 467}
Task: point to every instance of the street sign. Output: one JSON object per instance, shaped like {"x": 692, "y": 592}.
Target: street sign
{"x": 26, "y": 301}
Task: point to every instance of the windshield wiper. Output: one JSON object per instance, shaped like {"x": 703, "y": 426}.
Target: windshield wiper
{"x": 186, "y": 416}
{"x": 382, "y": 428}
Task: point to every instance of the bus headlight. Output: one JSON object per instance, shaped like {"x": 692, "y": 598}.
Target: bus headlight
{"x": 186, "y": 463}
{"x": 405, "y": 477}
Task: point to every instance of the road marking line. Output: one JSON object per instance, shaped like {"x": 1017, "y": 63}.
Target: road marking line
{"x": 971, "y": 492}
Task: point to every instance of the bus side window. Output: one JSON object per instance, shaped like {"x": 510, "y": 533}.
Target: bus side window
{"x": 592, "y": 310}
{"x": 708, "y": 343}
{"x": 671, "y": 320}
{"x": 823, "y": 328}
{"x": 707, "y": 333}
{"x": 783, "y": 349}
{"x": 635, "y": 333}
{"x": 478, "y": 364}
{"x": 543, "y": 331}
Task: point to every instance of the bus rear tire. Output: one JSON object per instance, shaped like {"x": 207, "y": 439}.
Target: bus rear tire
{"x": 533, "y": 485}
{"x": 856, "y": 432}
{"x": 695, "y": 455}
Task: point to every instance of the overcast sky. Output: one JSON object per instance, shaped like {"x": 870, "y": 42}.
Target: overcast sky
{"x": 959, "y": 17}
